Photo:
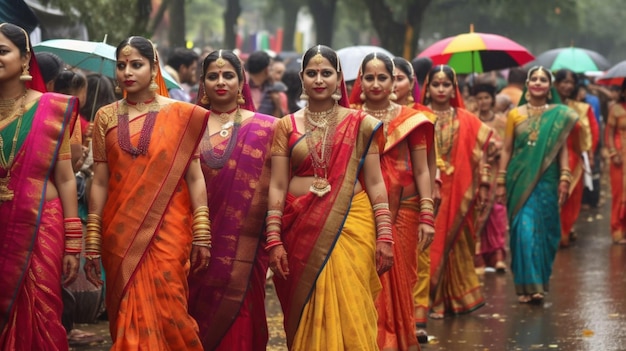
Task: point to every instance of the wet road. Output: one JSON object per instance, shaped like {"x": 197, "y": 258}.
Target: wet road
{"x": 584, "y": 311}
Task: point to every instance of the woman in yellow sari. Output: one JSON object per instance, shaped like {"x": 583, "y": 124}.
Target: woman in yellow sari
{"x": 325, "y": 243}
{"x": 141, "y": 205}
{"x": 408, "y": 173}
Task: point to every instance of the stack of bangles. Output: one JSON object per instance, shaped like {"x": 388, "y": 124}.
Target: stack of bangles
{"x": 566, "y": 175}
{"x": 73, "y": 236}
{"x": 485, "y": 176}
{"x": 273, "y": 228}
{"x": 93, "y": 237}
{"x": 427, "y": 211}
{"x": 501, "y": 178}
{"x": 382, "y": 216}
{"x": 201, "y": 227}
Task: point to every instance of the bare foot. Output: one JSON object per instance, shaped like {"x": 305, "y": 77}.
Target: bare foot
{"x": 435, "y": 315}
{"x": 524, "y": 298}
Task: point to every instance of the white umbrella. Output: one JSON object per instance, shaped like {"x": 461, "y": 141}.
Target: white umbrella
{"x": 352, "y": 56}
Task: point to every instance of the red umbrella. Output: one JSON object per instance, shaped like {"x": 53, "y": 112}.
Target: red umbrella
{"x": 477, "y": 52}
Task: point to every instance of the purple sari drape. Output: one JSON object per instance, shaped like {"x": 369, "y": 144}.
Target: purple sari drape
{"x": 227, "y": 300}
{"x": 31, "y": 236}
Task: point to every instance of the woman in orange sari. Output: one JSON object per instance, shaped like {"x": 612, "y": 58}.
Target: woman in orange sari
{"x": 407, "y": 94}
{"x": 228, "y": 299}
{"x": 461, "y": 140}
{"x": 141, "y": 204}
{"x": 407, "y": 171}
{"x": 41, "y": 233}
{"x": 325, "y": 243}
{"x": 581, "y": 144}
{"x": 615, "y": 140}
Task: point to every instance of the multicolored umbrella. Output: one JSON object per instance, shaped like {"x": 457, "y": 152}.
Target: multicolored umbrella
{"x": 576, "y": 59}
{"x": 477, "y": 52}
{"x": 615, "y": 75}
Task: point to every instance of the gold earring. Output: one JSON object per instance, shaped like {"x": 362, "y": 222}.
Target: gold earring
{"x": 204, "y": 100}
{"x": 118, "y": 90}
{"x": 240, "y": 99}
{"x": 304, "y": 95}
{"x": 393, "y": 97}
{"x": 527, "y": 96}
{"x": 410, "y": 99}
{"x": 336, "y": 95}
{"x": 25, "y": 77}
{"x": 549, "y": 95}
{"x": 427, "y": 95}
{"x": 153, "y": 85}
{"x": 362, "y": 96}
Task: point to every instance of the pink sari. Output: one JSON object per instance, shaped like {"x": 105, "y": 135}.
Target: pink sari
{"x": 32, "y": 236}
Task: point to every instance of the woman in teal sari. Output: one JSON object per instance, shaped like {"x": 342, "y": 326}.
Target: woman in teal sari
{"x": 534, "y": 178}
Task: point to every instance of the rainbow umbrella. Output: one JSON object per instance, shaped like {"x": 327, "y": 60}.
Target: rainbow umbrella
{"x": 576, "y": 59}
{"x": 475, "y": 52}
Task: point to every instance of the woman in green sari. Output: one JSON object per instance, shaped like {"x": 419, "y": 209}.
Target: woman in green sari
{"x": 534, "y": 179}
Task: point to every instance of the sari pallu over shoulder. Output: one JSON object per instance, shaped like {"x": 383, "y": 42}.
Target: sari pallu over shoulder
{"x": 140, "y": 191}
{"x": 460, "y": 186}
{"x": 20, "y": 218}
{"x": 528, "y": 163}
{"x": 237, "y": 196}
{"x": 312, "y": 224}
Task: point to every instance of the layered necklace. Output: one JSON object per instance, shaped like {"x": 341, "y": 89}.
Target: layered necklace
{"x": 534, "y": 122}
{"x": 123, "y": 126}
{"x": 384, "y": 115}
{"x": 7, "y": 194}
{"x": 320, "y": 132}
{"x": 212, "y": 159}
{"x": 446, "y": 127}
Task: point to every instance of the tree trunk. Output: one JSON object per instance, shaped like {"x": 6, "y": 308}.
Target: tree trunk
{"x": 233, "y": 10}
{"x": 142, "y": 16}
{"x": 290, "y": 15}
{"x": 415, "y": 18}
{"x": 177, "y": 24}
{"x": 382, "y": 20}
{"x": 323, "y": 12}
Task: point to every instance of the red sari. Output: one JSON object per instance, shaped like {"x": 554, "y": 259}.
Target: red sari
{"x": 408, "y": 131}
{"x": 146, "y": 229}
{"x": 454, "y": 285}
{"x": 32, "y": 234}
{"x": 328, "y": 297}
{"x": 617, "y": 120}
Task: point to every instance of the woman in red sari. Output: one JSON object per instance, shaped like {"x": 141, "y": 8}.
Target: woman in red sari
{"x": 228, "y": 298}
{"x": 615, "y": 140}
{"x": 41, "y": 234}
{"x": 141, "y": 205}
{"x": 325, "y": 243}
{"x": 461, "y": 140}
{"x": 407, "y": 171}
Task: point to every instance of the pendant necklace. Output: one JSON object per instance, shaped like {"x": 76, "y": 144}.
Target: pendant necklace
{"x": 209, "y": 157}
{"x": 320, "y": 131}
{"x": 534, "y": 121}
{"x": 123, "y": 127}
{"x": 384, "y": 115}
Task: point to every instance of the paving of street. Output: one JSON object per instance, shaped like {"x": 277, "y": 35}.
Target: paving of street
{"x": 584, "y": 311}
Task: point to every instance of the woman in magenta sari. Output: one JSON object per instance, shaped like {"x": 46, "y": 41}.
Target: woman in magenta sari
{"x": 227, "y": 299}
{"x": 41, "y": 234}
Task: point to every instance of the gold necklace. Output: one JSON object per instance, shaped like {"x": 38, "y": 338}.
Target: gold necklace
{"x": 226, "y": 121}
{"x": 320, "y": 130}
{"x": 7, "y": 194}
{"x": 385, "y": 115}
{"x": 445, "y": 131}
{"x": 534, "y": 121}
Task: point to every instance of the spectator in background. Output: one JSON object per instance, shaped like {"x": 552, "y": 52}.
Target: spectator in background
{"x": 517, "y": 79}
{"x": 265, "y": 96}
{"x": 503, "y": 104}
{"x": 277, "y": 69}
{"x": 182, "y": 65}
{"x": 294, "y": 89}
{"x": 421, "y": 67}
{"x": 51, "y": 65}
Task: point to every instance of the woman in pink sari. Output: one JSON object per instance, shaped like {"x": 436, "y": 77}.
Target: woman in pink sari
{"x": 41, "y": 233}
{"x": 227, "y": 300}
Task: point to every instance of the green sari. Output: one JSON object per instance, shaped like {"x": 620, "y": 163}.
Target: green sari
{"x": 532, "y": 198}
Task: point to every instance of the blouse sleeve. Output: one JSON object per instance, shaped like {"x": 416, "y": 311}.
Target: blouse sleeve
{"x": 100, "y": 128}
{"x": 64, "y": 150}
{"x": 280, "y": 145}
{"x": 512, "y": 120}
{"x": 418, "y": 139}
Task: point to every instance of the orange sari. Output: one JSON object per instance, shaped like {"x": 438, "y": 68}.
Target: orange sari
{"x": 584, "y": 137}
{"x": 146, "y": 229}
{"x": 454, "y": 284}
{"x": 394, "y": 304}
{"x": 617, "y": 120}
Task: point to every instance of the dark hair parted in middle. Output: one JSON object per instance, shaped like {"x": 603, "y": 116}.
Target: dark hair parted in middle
{"x": 323, "y": 50}
{"x": 143, "y": 46}
{"x": 225, "y": 55}
{"x": 379, "y": 56}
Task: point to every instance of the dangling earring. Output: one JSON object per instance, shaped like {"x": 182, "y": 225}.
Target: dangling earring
{"x": 453, "y": 95}
{"x": 362, "y": 96}
{"x": 304, "y": 95}
{"x": 25, "y": 77}
{"x": 336, "y": 95}
{"x": 240, "y": 99}
{"x": 527, "y": 96}
{"x": 393, "y": 97}
{"x": 410, "y": 99}
{"x": 153, "y": 84}
{"x": 427, "y": 95}
{"x": 549, "y": 95}
{"x": 204, "y": 100}
{"x": 118, "y": 90}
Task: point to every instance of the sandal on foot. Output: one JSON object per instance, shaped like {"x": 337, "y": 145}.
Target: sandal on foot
{"x": 537, "y": 298}
{"x": 500, "y": 267}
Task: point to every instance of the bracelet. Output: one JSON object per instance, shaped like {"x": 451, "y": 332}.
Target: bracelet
{"x": 566, "y": 175}
{"x": 201, "y": 227}
{"x": 273, "y": 228}
{"x": 382, "y": 216}
{"x": 73, "y": 235}
{"x": 501, "y": 178}
{"x": 438, "y": 182}
{"x": 93, "y": 236}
